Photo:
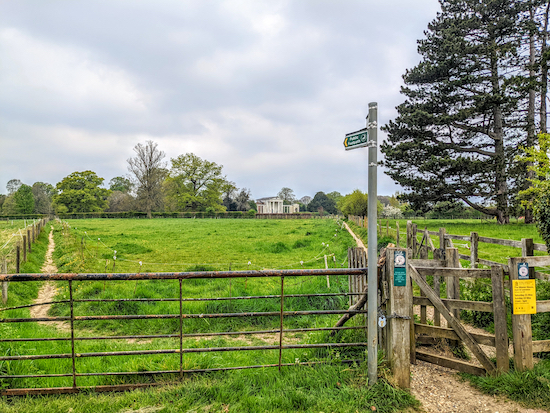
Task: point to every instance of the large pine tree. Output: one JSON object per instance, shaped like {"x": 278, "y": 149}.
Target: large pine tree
{"x": 455, "y": 134}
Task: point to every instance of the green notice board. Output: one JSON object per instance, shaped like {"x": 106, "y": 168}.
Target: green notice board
{"x": 400, "y": 269}
{"x": 400, "y": 276}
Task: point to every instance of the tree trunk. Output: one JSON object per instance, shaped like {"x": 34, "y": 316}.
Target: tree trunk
{"x": 530, "y": 115}
{"x": 501, "y": 186}
{"x": 544, "y": 71}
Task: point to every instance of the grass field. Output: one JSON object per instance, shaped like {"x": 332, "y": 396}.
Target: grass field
{"x": 183, "y": 245}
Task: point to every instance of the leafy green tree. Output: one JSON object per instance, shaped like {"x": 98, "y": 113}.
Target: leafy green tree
{"x": 322, "y": 203}
{"x": 195, "y": 184}
{"x": 148, "y": 170}
{"x": 81, "y": 192}
{"x": 455, "y": 134}
{"x": 121, "y": 184}
{"x": 24, "y": 200}
{"x": 355, "y": 203}
{"x": 536, "y": 197}
{"x": 43, "y": 194}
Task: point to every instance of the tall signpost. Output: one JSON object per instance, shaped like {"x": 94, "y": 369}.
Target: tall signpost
{"x": 368, "y": 138}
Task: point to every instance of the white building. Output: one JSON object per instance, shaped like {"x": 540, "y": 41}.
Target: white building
{"x": 274, "y": 205}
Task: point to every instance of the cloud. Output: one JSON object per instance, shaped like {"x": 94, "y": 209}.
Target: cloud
{"x": 266, "y": 89}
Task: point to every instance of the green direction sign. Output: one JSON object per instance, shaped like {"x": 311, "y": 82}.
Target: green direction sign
{"x": 356, "y": 140}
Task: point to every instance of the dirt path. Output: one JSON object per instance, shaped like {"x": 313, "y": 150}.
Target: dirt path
{"x": 441, "y": 390}
{"x": 48, "y": 291}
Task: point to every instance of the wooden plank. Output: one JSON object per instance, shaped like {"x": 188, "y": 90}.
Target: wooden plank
{"x": 452, "y": 304}
{"x": 458, "y": 237}
{"x": 539, "y": 261}
{"x": 427, "y": 263}
{"x": 521, "y": 324}
{"x": 543, "y": 306}
{"x": 454, "y": 272}
{"x": 464, "y": 257}
{"x": 500, "y": 316}
{"x": 453, "y": 322}
{"x": 542, "y": 276}
{"x": 540, "y": 247}
{"x": 541, "y": 345}
{"x": 505, "y": 242}
{"x": 449, "y": 333}
{"x": 489, "y": 262}
{"x": 461, "y": 366}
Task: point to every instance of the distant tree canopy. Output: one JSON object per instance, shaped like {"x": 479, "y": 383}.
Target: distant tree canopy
{"x": 81, "y": 192}
{"x": 194, "y": 184}
{"x": 24, "y": 200}
{"x": 322, "y": 203}
{"x": 121, "y": 184}
{"x": 355, "y": 203}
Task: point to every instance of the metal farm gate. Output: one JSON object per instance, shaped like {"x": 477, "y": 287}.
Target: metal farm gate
{"x": 66, "y": 366}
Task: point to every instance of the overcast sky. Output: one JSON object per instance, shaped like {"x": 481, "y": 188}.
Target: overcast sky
{"x": 266, "y": 88}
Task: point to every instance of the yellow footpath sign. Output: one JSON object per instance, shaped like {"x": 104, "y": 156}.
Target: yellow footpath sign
{"x": 524, "y": 297}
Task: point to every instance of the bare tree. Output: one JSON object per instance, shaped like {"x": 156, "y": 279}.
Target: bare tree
{"x": 149, "y": 171}
{"x": 13, "y": 185}
{"x": 286, "y": 194}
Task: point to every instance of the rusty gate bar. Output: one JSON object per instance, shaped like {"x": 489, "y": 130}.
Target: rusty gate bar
{"x": 225, "y": 333}
{"x": 172, "y": 316}
{"x": 251, "y": 297}
{"x": 178, "y": 275}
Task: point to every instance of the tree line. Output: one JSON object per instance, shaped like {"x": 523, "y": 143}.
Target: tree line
{"x": 186, "y": 184}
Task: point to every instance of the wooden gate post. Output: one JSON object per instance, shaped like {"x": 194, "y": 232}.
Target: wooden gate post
{"x": 398, "y": 308}
{"x": 521, "y": 326}
{"x": 474, "y": 255}
{"x": 528, "y": 250}
{"x": 453, "y": 283}
{"x": 499, "y": 312}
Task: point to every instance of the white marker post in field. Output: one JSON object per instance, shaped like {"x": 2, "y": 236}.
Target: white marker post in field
{"x": 368, "y": 138}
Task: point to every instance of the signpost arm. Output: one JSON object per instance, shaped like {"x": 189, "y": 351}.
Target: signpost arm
{"x": 372, "y": 125}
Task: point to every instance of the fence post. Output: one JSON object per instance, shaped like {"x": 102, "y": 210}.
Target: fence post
{"x": 414, "y": 240}
{"x": 438, "y": 253}
{"x": 453, "y": 283}
{"x": 474, "y": 253}
{"x": 409, "y": 240}
{"x": 398, "y": 307}
{"x": 29, "y": 240}
{"x": 521, "y": 326}
{"x": 499, "y": 312}
{"x": 442, "y": 239}
{"x": 17, "y": 259}
{"x": 4, "y": 283}
{"x": 528, "y": 250}
{"x": 24, "y": 248}
{"x": 397, "y": 232}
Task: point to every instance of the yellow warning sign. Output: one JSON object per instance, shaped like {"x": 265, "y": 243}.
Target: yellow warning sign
{"x": 524, "y": 297}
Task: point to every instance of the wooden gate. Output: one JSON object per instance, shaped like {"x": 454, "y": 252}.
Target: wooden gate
{"x": 399, "y": 312}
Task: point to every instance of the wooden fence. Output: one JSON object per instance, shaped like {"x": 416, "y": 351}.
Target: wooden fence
{"x": 15, "y": 251}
